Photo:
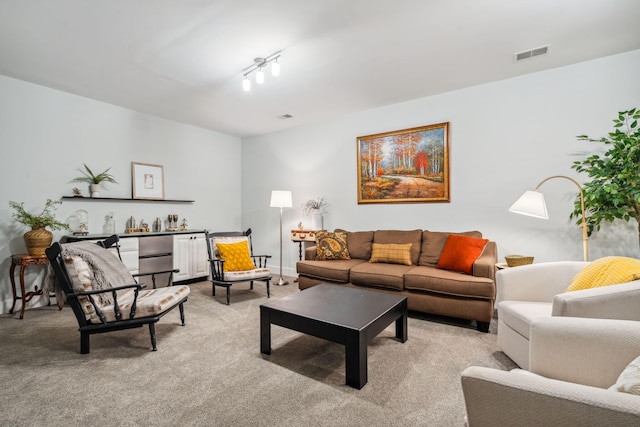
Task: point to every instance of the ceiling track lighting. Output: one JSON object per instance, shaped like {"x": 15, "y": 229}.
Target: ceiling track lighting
{"x": 259, "y": 64}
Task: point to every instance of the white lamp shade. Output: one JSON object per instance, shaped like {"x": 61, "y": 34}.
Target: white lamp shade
{"x": 531, "y": 203}
{"x": 246, "y": 84}
{"x": 259, "y": 76}
{"x": 281, "y": 199}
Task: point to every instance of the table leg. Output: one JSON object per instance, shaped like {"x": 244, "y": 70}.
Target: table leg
{"x": 356, "y": 359}
{"x": 401, "y": 326}
{"x": 265, "y": 331}
{"x": 24, "y": 297}
{"x": 13, "y": 287}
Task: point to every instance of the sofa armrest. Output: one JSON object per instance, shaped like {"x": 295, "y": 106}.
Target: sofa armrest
{"x": 310, "y": 253}
{"x": 536, "y": 282}
{"x": 581, "y": 350}
{"x": 485, "y": 265}
{"x": 620, "y": 301}
{"x": 520, "y": 398}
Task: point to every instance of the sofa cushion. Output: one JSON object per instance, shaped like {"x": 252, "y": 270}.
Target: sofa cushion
{"x": 519, "y": 315}
{"x": 236, "y": 256}
{"x": 379, "y": 275}
{"x": 331, "y": 246}
{"x": 431, "y": 279}
{"x": 336, "y": 270}
{"x": 433, "y": 242}
{"x": 400, "y": 236}
{"x": 611, "y": 270}
{"x": 358, "y": 243}
{"x": 460, "y": 252}
{"x": 391, "y": 253}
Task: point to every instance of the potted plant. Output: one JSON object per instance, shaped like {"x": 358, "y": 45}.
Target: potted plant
{"x": 614, "y": 191}
{"x": 313, "y": 208}
{"x": 95, "y": 181}
{"x": 38, "y": 238}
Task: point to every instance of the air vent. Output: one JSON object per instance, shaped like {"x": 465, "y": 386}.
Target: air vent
{"x": 528, "y": 54}
{"x": 285, "y": 116}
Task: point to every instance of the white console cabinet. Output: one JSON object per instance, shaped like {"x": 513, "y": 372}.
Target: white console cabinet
{"x": 190, "y": 256}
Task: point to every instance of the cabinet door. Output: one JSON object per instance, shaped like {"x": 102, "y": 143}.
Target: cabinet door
{"x": 182, "y": 256}
{"x": 200, "y": 262}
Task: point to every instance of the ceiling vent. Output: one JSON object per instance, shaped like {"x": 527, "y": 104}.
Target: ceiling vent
{"x": 285, "y": 116}
{"x": 528, "y": 54}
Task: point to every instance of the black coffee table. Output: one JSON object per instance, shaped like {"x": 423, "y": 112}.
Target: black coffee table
{"x": 348, "y": 316}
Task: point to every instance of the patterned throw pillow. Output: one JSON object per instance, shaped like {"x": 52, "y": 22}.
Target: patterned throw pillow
{"x": 236, "y": 256}
{"x": 610, "y": 270}
{"x": 392, "y": 253}
{"x": 331, "y": 246}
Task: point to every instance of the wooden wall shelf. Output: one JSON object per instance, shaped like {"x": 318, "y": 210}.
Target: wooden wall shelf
{"x": 121, "y": 199}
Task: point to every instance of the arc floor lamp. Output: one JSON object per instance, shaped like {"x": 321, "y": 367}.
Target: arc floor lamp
{"x": 281, "y": 199}
{"x": 532, "y": 203}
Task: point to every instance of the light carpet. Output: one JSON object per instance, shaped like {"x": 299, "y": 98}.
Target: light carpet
{"x": 211, "y": 372}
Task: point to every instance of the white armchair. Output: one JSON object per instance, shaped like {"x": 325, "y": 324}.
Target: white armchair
{"x": 529, "y": 292}
{"x": 572, "y": 363}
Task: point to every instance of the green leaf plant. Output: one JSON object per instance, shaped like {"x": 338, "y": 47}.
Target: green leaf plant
{"x": 614, "y": 190}
{"x": 91, "y": 178}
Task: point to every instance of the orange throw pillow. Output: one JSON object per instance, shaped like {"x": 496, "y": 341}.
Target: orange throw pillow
{"x": 460, "y": 252}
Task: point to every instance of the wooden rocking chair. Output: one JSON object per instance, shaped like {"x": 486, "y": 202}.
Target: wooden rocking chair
{"x": 232, "y": 261}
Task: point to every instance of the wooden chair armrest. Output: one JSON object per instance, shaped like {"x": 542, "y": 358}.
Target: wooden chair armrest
{"x": 114, "y": 293}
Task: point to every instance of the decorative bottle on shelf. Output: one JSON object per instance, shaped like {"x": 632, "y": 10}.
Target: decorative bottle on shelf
{"x": 109, "y": 224}
{"x": 157, "y": 225}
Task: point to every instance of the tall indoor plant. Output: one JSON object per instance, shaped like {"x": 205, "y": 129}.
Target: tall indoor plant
{"x": 95, "y": 180}
{"x": 38, "y": 238}
{"x": 614, "y": 189}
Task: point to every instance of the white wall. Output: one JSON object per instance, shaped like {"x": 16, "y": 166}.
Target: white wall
{"x": 47, "y": 135}
{"x": 505, "y": 138}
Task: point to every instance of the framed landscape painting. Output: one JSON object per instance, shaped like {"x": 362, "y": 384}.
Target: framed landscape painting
{"x": 404, "y": 166}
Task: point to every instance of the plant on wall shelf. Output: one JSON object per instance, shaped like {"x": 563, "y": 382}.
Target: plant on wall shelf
{"x": 95, "y": 181}
{"x": 91, "y": 178}
{"x": 614, "y": 189}
{"x": 313, "y": 204}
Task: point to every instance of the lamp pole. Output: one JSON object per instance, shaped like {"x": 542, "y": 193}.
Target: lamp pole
{"x": 281, "y": 282}
{"x": 585, "y": 237}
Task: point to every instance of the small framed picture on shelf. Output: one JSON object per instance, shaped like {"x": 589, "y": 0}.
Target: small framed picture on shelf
{"x": 147, "y": 181}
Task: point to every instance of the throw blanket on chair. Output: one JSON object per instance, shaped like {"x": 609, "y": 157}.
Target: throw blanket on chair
{"x": 106, "y": 269}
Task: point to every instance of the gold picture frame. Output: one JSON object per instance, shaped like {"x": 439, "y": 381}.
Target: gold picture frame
{"x": 147, "y": 181}
{"x": 404, "y": 166}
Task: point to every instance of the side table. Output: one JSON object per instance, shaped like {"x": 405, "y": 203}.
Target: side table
{"x": 24, "y": 260}
{"x": 301, "y": 236}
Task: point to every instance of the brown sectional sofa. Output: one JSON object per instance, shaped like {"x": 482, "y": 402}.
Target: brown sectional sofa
{"x": 428, "y": 289}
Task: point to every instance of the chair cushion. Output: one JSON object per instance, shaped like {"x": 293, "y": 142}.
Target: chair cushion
{"x": 606, "y": 271}
{"x": 460, "y": 252}
{"x": 391, "y": 253}
{"x": 150, "y": 302}
{"x": 236, "y": 256}
{"x": 331, "y": 246}
{"x": 239, "y": 276}
{"x": 629, "y": 379}
{"x": 519, "y": 315}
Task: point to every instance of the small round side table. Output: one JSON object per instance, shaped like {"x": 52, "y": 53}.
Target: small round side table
{"x": 24, "y": 260}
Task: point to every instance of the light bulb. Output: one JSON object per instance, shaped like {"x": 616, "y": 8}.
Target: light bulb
{"x": 275, "y": 68}
{"x": 246, "y": 84}
{"x": 260, "y": 76}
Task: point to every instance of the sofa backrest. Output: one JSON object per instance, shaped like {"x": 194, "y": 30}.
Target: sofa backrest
{"x": 433, "y": 242}
{"x": 358, "y": 243}
{"x": 399, "y": 237}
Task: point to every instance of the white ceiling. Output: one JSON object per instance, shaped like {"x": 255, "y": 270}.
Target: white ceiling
{"x": 183, "y": 59}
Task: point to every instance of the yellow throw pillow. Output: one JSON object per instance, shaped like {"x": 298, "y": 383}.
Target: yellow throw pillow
{"x": 606, "y": 271}
{"x": 236, "y": 256}
{"x": 391, "y": 253}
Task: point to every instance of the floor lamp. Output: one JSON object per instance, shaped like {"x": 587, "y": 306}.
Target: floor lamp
{"x": 532, "y": 203}
{"x": 281, "y": 199}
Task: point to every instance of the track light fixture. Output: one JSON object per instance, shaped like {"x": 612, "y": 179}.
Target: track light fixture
{"x": 258, "y": 66}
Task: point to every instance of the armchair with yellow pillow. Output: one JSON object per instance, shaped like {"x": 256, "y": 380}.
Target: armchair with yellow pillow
{"x": 232, "y": 261}
{"x": 608, "y": 288}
